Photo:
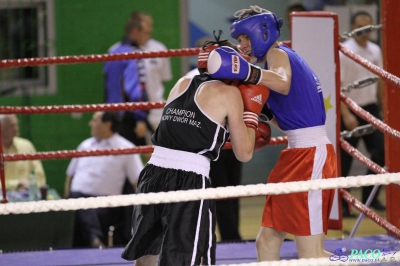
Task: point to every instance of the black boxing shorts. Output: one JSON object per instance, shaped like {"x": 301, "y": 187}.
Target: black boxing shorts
{"x": 181, "y": 233}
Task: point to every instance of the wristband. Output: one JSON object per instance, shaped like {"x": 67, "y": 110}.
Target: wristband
{"x": 255, "y": 75}
{"x": 250, "y": 119}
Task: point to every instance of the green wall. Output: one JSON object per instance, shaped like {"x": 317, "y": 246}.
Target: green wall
{"x": 87, "y": 27}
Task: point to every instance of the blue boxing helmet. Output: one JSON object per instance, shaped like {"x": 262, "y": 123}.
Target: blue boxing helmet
{"x": 262, "y": 27}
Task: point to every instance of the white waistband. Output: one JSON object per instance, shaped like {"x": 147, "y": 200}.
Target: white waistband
{"x": 180, "y": 160}
{"x": 307, "y": 137}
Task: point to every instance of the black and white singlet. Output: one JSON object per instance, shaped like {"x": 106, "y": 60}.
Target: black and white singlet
{"x": 185, "y": 127}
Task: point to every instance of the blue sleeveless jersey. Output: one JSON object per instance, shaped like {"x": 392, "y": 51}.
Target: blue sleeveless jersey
{"x": 304, "y": 105}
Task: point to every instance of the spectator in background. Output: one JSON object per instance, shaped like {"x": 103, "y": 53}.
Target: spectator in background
{"x": 294, "y": 7}
{"x": 369, "y": 98}
{"x": 226, "y": 171}
{"x": 158, "y": 71}
{"x": 125, "y": 80}
{"x": 17, "y": 172}
{"x": 100, "y": 176}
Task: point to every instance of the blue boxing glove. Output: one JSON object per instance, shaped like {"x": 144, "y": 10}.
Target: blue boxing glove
{"x": 226, "y": 63}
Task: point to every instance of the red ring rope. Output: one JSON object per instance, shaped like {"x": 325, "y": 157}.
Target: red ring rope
{"x": 66, "y": 154}
{"x": 370, "y": 118}
{"x": 358, "y": 204}
{"x": 369, "y": 213}
{"x": 370, "y": 66}
{"x": 59, "y": 109}
{"x": 57, "y": 60}
{"x": 361, "y": 157}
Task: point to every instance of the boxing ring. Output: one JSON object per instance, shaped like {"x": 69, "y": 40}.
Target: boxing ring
{"x": 242, "y": 253}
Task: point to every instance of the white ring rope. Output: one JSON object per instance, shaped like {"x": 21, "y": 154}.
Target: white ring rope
{"x": 198, "y": 194}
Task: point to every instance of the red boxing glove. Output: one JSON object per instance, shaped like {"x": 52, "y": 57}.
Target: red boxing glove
{"x": 254, "y": 98}
{"x": 263, "y": 136}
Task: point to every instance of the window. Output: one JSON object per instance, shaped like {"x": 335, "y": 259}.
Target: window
{"x": 27, "y": 31}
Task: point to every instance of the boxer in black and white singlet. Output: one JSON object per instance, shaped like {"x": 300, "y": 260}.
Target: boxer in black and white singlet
{"x": 185, "y": 142}
{"x": 185, "y": 127}
{"x": 192, "y": 131}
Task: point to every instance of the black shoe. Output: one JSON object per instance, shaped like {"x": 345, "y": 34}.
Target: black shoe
{"x": 377, "y": 205}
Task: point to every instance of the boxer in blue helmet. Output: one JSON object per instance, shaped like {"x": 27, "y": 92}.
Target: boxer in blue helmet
{"x": 262, "y": 28}
{"x": 296, "y": 107}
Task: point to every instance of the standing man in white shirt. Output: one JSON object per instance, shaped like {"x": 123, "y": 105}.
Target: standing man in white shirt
{"x": 158, "y": 71}
{"x": 369, "y": 98}
{"x": 100, "y": 176}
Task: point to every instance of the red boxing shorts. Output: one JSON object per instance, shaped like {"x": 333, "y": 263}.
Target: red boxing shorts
{"x": 313, "y": 158}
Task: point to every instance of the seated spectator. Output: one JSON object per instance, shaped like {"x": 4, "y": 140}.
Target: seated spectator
{"x": 100, "y": 176}
{"x": 17, "y": 172}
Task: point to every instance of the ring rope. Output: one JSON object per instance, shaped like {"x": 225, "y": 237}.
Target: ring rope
{"x": 350, "y": 198}
{"x": 86, "y": 108}
{"x": 361, "y": 157}
{"x": 370, "y": 118}
{"x": 67, "y": 154}
{"x": 370, "y": 66}
{"x": 198, "y": 194}
{"x": 58, "y": 60}
{"x": 369, "y": 213}
{"x": 373, "y": 167}
{"x": 215, "y": 193}
{"x": 25, "y": 62}
{"x": 354, "y": 201}
{"x": 83, "y": 153}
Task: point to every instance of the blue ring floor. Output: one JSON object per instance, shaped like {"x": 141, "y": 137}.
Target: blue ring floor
{"x": 227, "y": 253}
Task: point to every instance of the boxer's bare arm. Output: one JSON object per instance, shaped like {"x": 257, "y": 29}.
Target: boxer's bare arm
{"x": 241, "y": 136}
{"x": 224, "y": 104}
{"x": 279, "y": 74}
